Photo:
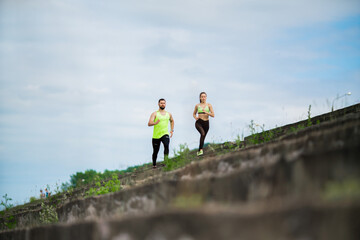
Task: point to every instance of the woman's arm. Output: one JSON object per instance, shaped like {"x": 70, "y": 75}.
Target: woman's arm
{"x": 211, "y": 113}
{"x": 194, "y": 113}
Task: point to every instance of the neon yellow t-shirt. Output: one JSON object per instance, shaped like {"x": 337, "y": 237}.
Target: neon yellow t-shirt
{"x": 162, "y": 128}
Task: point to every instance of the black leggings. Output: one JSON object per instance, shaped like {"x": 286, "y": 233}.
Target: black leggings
{"x": 203, "y": 127}
{"x": 156, "y": 146}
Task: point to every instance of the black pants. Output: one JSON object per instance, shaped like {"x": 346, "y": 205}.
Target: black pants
{"x": 203, "y": 127}
{"x": 156, "y": 146}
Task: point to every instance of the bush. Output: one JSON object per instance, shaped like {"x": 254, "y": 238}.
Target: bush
{"x": 48, "y": 214}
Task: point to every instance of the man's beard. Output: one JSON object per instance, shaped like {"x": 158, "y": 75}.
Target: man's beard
{"x": 162, "y": 108}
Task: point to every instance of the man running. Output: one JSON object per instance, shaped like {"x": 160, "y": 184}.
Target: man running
{"x": 160, "y": 120}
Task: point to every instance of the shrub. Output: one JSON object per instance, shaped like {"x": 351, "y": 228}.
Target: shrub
{"x": 48, "y": 214}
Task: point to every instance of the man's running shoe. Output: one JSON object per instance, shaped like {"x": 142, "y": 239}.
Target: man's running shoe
{"x": 199, "y": 153}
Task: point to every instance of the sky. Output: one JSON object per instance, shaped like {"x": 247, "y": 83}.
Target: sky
{"x": 80, "y": 79}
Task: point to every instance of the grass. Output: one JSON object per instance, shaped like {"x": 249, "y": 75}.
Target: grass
{"x": 258, "y": 134}
{"x": 181, "y": 157}
{"x": 113, "y": 185}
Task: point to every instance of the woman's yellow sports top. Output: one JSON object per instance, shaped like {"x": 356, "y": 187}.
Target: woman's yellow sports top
{"x": 202, "y": 111}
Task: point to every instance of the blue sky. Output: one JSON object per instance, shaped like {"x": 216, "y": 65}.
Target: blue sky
{"x": 79, "y": 79}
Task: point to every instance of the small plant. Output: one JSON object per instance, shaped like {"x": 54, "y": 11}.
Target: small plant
{"x": 309, "y": 122}
{"x": 239, "y": 140}
{"x": 254, "y": 135}
{"x": 70, "y": 190}
{"x": 180, "y": 159}
{"x": 33, "y": 199}
{"x": 48, "y": 214}
{"x": 112, "y": 185}
{"x": 257, "y": 137}
{"x": 265, "y": 136}
{"x": 10, "y": 221}
{"x": 131, "y": 169}
{"x": 229, "y": 145}
{"x": 6, "y": 202}
{"x": 297, "y": 128}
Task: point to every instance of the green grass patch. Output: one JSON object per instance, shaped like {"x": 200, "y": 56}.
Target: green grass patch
{"x": 113, "y": 185}
{"x": 181, "y": 157}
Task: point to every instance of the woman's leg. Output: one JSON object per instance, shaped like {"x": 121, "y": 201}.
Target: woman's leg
{"x": 203, "y": 128}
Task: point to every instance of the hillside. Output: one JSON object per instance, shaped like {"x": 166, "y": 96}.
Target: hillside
{"x": 299, "y": 181}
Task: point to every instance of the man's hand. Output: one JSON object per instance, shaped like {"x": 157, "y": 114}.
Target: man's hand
{"x": 171, "y": 134}
{"x": 152, "y": 120}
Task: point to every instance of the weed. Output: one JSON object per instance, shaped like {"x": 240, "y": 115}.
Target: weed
{"x": 254, "y": 135}
{"x": 6, "y": 202}
{"x": 9, "y": 221}
{"x": 180, "y": 159}
{"x": 112, "y": 185}
{"x": 302, "y": 126}
{"x": 239, "y": 140}
{"x": 70, "y": 190}
{"x": 297, "y": 128}
{"x": 309, "y": 122}
{"x": 131, "y": 169}
{"x": 48, "y": 214}
{"x": 257, "y": 137}
{"x": 229, "y": 145}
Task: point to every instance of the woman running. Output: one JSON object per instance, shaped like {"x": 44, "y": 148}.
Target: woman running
{"x": 204, "y": 110}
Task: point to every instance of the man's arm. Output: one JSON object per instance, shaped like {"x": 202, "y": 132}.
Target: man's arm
{"x": 171, "y": 125}
{"x": 151, "y": 120}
